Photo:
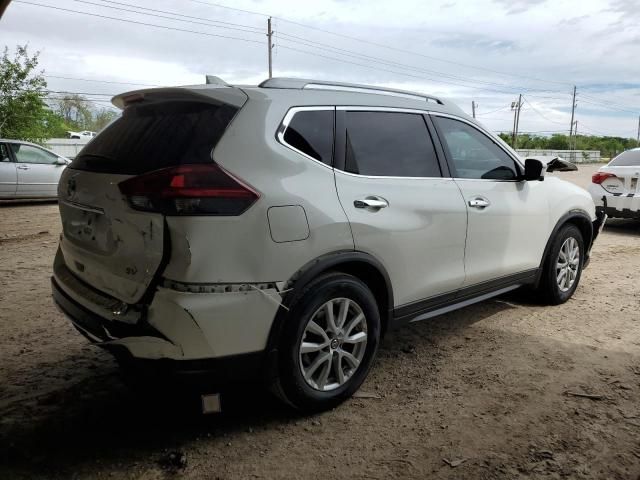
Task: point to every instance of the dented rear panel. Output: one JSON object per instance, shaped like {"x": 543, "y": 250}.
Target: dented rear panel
{"x": 104, "y": 242}
{"x": 111, "y": 240}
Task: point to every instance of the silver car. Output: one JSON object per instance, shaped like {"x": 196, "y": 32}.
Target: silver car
{"x": 28, "y": 170}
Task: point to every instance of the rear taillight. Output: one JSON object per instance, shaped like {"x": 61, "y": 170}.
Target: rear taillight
{"x": 600, "y": 177}
{"x": 200, "y": 189}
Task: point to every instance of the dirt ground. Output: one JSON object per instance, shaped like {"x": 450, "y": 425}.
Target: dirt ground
{"x": 481, "y": 393}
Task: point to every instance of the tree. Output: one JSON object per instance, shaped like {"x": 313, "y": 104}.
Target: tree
{"x": 24, "y": 114}
{"x": 102, "y": 118}
{"x": 75, "y": 110}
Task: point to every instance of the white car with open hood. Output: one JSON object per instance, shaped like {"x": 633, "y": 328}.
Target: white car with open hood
{"x": 274, "y": 233}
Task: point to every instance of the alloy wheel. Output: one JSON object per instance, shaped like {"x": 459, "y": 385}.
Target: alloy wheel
{"x": 333, "y": 344}
{"x": 568, "y": 264}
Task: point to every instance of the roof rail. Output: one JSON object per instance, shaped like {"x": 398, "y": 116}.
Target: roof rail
{"x": 306, "y": 84}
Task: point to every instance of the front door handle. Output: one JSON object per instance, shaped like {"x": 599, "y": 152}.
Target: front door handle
{"x": 479, "y": 202}
{"x": 22, "y": 167}
{"x": 371, "y": 202}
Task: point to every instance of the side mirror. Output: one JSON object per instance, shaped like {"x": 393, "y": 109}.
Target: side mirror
{"x": 61, "y": 161}
{"x": 533, "y": 170}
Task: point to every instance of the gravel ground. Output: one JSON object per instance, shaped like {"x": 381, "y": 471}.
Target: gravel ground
{"x": 484, "y": 392}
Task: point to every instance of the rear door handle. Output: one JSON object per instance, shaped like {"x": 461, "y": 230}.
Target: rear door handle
{"x": 479, "y": 202}
{"x": 371, "y": 202}
{"x": 22, "y": 167}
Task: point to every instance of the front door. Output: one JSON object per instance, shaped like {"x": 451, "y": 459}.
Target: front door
{"x": 400, "y": 207}
{"x": 38, "y": 171}
{"x": 507, "y": 228}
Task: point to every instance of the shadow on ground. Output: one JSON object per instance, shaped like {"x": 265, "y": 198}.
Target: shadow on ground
{"x": 102, "y": 418}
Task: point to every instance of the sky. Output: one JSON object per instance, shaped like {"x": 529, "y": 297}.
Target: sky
{"x": 486, "y": 51}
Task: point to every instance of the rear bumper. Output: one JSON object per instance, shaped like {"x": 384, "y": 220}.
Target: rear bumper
{"x": 616, "y": 206}
{"x": 127, "y": 341}
{"x": 223, "y": 333}
{"x": 624, "y": 213}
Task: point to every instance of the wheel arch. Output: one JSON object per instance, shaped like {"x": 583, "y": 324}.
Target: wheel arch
{"x": 361, "y": 265}
{"x": 580, "y": 219}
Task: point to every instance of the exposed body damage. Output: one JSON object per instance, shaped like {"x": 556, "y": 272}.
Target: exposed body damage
{"x": 104, "y": 242}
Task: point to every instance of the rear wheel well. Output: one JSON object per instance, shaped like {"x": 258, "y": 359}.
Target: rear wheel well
{"x": 374, "y": 280}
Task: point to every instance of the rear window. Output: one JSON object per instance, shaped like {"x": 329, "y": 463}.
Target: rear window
{"x": 630, "y": 158}
{"x": 156, "y": 135}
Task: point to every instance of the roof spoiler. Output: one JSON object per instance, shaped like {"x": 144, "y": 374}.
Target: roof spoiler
{"x": 215, "y": 89}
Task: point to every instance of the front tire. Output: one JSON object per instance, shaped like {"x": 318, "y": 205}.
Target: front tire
{"x": 563, "y": 266}
{"x": 330, "y": 340}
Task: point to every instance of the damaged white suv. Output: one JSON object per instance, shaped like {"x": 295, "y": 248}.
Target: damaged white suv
{"x": 275, "y": 232}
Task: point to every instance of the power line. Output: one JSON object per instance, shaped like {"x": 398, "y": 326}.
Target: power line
{"x": 99, "y": 81}
{"x": 420, "y": 77}
{"x": 380, "y": 45}
{"x": 391, "y": 63}
{"x": 540, "y": 113}
{"x": 493, "y": 111}
{"x": 138, "y": 23}
{"x": 606, "y": 102}
{"x": 607, "y": 106}
{"x": 193, "y": 20}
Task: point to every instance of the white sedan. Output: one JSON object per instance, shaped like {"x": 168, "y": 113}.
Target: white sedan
{"x": 616, "y": 186}
{"x": 28, "y": 170}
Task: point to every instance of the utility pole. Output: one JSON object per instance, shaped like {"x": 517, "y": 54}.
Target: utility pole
{"x": 473, "y": 108}
{"x": 516, "y": 106}
{"x": 270, "y": 46}
{"x": 573, "y": 110}
{"x": 638, "y": 141}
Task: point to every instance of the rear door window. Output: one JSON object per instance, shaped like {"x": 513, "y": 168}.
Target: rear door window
{"x": 311, "y": 132}
{"x": 630, "y": 158}
{"x": 156, "y": 135}
{"x": 390, "y": 144}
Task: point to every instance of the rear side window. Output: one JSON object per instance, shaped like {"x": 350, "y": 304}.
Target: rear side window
{"x": 389, "y": 144}
{"x": 4, "y": 153}
{"x": 311, "y": 132}
{"x": 156, "y": 135}
{"x": 630, "y": 158}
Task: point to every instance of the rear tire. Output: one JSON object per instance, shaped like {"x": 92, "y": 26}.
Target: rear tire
{"x": 328, "y": 344}
{"x": 563, "y": 266}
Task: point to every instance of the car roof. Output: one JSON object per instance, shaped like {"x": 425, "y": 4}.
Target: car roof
{"x": 23, "y": 142}
{"x": 301, "y": 91}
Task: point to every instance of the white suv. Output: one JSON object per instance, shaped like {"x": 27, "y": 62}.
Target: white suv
{"x": 276, "y": 232}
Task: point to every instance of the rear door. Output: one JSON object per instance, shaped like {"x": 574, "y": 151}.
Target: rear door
{"x": 38, "y": 171}
{"x": 401, "y": 207}
{"x": 114, "y": 247}
{"x": 8, "y": 175}
{"x": 508, "y": 218}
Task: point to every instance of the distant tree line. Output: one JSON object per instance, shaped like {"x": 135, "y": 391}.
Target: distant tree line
{"x": 29, "y": 112}
{"x": 608, "y": 146}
